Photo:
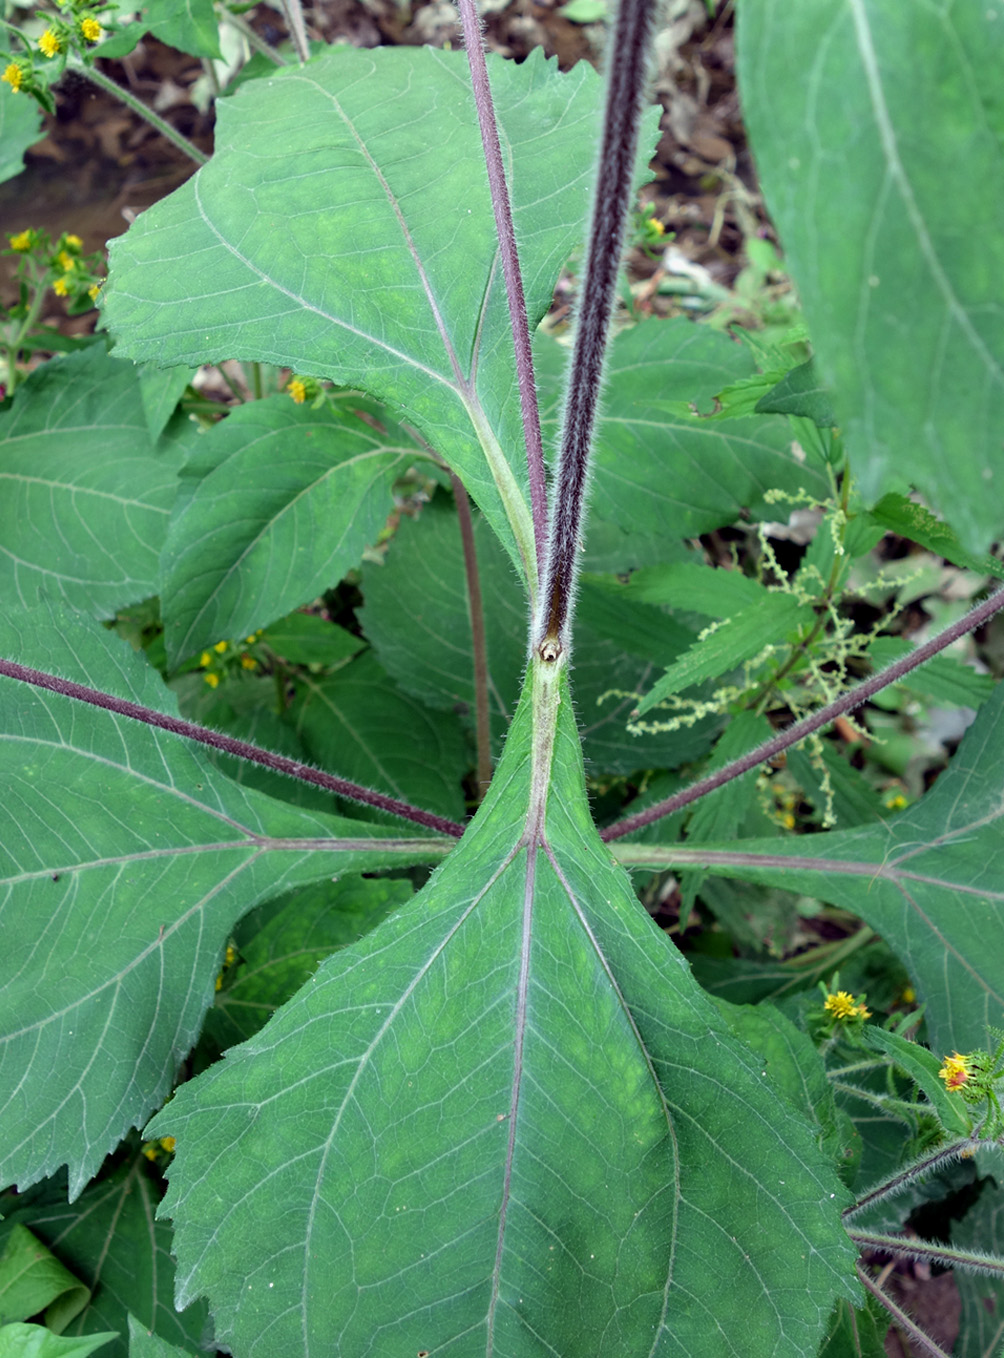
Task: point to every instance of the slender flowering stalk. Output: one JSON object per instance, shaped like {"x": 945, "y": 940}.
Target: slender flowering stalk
{"x": 239, "y": 749}
{"x": 629, "y": 48}
{"x": 510, "y": 272}
{"x": 847, "y": 702}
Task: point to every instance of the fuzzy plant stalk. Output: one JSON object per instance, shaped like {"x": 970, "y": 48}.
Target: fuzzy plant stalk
{"x": 626, "y": 81}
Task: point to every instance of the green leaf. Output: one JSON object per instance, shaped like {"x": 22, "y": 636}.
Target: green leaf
{"x": 944, "y": 679}
{"x": 160, "y": 390}
{"x": 417, "y": 616}
{"x": 584, "y": 11}
{"x": 144, "y": 1344}
{"x": 856, "y": 1333}
{"x": 281, "y": 944}
{"x": 32, "y": 1280}
{"x": 981, "y": 1229}
{"x": 921, "y": 1065}
{"x": 110, "y": 1239}
{"x": 893, "y": 238}
{"x": 344, "y": 229}
{"x": 800, "y": 393}
{"x": 737, "y": 639}
{"x": 276, "y": 503}
{"x": 695, "y": 588}
{"x": 20, "y": 127}
{"x": 34, "y": 1341}
{"x": 85, "y": 501}
{"x": 189, "y": 25}
{"x": 126, "y": 860}
{"x": 899, "y": 514}
{"x": 927, "y": 880}
{"x": 359, "y": 721}
{"x": 501, "y": 1190}
{"x": 668, "y": 470}
{"x": 307, "y": 639}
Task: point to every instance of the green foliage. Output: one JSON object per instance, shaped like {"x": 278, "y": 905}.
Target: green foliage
{"x": 420, "y": 1095}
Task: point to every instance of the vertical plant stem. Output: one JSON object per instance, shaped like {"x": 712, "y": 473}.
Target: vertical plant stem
{"x": 104, "y": 82}
{"x": 628, "y": 64}
{"x": 511, "y": 273}
{"x": 293, "y": 11}
{"x": 482, "y": 717}
{"x": 241, "y": 25}
{"x": 901, "y": 1318}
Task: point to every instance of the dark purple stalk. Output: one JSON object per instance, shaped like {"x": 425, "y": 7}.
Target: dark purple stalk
{"x": 626, "y": 78}
{"x": 479, "y": 651}
{"x": 510, "y": 272}
{"x": 847, "y": 702}
{"x": 239, "y": 749}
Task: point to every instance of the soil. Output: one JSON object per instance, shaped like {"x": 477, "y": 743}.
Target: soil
{"x": 99, "y": 165}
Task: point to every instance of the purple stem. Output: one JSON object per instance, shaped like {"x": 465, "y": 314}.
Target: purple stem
{"x": 626, "y": 79}
{"x": 510, "y": 271}
{"x": 784, "y": 739}
{"x": 240, "y": 749}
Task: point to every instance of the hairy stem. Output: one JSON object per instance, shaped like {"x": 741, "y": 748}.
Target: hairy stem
{"x": 104, "y": 82}
{"x": 479, "y": 652}
{"x": 628, "y": 65}
{"x": 293, "y": 11}
{"x": 511, "y": 273}
{"x": 847, "y": 702}
{"x": 238, "y": 22}
{"x": 972, "y": 1261}
{"x": 896, "y": 1183}
{"x": 239, "y": 749}
{"x": 901, "y": 1318}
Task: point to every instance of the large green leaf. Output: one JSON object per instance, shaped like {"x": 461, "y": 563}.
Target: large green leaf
{"x": 20, "y": 127}
{"x": 276, "y": 504}
{"x": 84, "y": 500}
{"x": 857, "y": 111}
{"x": 506, "y": 1121}
{"x": 111, "y": 1241}
{"x": 344, "y": 228}
{"x": 125, "y": 860}
{"x": 928, "y": 880}
{"x": 659, "y": 467}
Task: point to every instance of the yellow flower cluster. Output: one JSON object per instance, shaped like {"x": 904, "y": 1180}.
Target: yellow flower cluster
{"x": 845, "y": 1007}
{"x": 14, "y": 75}
{"x": 955, "y": 1071}
{"x": 50, "y": 43}
{"x": 207, "y": 659}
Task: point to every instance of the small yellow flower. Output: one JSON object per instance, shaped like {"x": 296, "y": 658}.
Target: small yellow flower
{"x": 845, "y": 1007}
{"x": 298, "y": 390}
{"x": 73, "y": 243}
{"x": 168, "y": 1143}
{"x": 49, "y": 44}
{"x": 90, "y": 30}
{"x": 955, "y": 1072}
{"x": 150, "y": 1152}
{"x": 65, "y": 261}
{"x": 909, "y": 994}
{"x": 24, "y": 239}
{"x": 249, "y": 662}
{"x": 205, "y": 659}
{"x": 94, "y": 291}
{"x": 212, "y": 680}
{"x": 13, "y": 75}
{"x": 60, "y": 287}
{"x": 220, "y": 647}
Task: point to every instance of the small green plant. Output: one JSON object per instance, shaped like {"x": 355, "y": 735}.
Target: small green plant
{"x": 323, "y": 784}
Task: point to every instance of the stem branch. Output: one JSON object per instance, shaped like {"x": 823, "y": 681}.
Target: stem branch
{"x": 104, "y": 82}
{"x": 800, "y": 729}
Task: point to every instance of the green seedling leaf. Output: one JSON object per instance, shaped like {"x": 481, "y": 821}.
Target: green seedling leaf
{"x": 899, "y": 514}
{"x": 928, "y": 882}
{"x": 85, "y": 500}
{"x": 189, "y": 25}
{"x": 687, "y": 585}
{"x": 281, "y": 944}
{"x": 667, "y": 470}
{"x": 944, "y": 679}
{"x": 893, "y": 238}
{"x": 739, "y": 638}
{"x": 360, "y": 720}
{"x": 262, "y": 255}
{"x": 276, "y": 503}
{"x": 502, "y": 1193}
{"x": 126, "y": 860}
{"x": 32, "y": 1280}
{"x": 922, "y": 1066}
{"x": 20, "y": 127}
{"x": 35, "y": 1341}
{"x": 801, "y": 393}
{"x": 144, "y": 1344}
{"x": 110, "y": 1239}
